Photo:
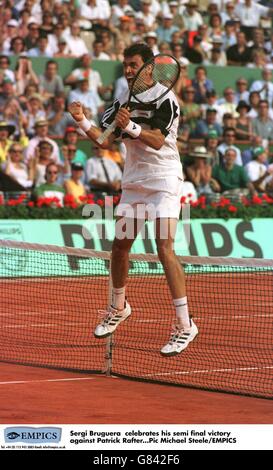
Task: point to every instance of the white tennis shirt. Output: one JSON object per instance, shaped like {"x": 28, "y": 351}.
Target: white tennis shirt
{"x": 145, "y": 166}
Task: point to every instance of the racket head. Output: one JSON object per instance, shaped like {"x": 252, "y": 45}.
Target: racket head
{"x": 155, "y": 79}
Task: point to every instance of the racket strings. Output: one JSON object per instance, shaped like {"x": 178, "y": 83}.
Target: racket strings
{"x": 155, "y": 79}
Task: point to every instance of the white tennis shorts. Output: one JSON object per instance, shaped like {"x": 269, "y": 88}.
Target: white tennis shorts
{"x": 152, "y": 200}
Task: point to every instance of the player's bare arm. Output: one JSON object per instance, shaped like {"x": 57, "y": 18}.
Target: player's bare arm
{"x": 76, "y": 111}
{"x": 151, "y": 137}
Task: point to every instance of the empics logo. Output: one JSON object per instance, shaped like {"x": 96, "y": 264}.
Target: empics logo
{"x": 32, "y": 435}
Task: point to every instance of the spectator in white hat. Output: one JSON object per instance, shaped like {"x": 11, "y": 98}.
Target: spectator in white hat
{"x": 166, "y": 29}
{"x": 151, "y": 39}
{"x": 146, "y": 15}
{"x": 191, "y": 17}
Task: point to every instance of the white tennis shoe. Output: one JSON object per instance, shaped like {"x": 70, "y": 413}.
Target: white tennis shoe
{"x": 112, "y": 319}
{"x": 179, "y": 340}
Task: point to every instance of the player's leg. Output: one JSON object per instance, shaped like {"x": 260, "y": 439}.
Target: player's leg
{"x": 119, "y": 309}
{"x": 185, "y": 329}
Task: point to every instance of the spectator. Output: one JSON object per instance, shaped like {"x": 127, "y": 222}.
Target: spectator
{"x": 119, "y": 9}
{"x": 115, "y": 153}
{"x": 263, "y": 124}
{"x": 201, "y": 84}
{"x": 13, "y": 114}
{"x": 190, "y": 109}
{"x": 6, "y": 131}
{"x": 55, "y": 38}
{"x": 243, "y": 127}
{"x": 215, "y": 25}
{"x": 211, "y": 103}
{"x": 258, "y": 172}
{"x": 254, "y": 100}
{"x": 229, "y": 14}
{"x": 177, "y": 52}
{"x": 208, "y": 124}
{"x": 62, "y": 49}
{"x": 71, "y": 137}
{"x": 124, "y": 31}
{"x": 248, "y": 152}
{"x": 24, "y": 20}
{"x": 5, "y": 71}
{"x": 12, "y": 32}
{"x": 51, "y": 83}
{"x": 250, "y": 14}
{"x": 199, "y": 172}
{"x": 17, "y": 46}
{"x": 147, "y": 15}
{"x": 211, "y": 144}
{"x": 121, "y": 88}
{"x": 98, "y": 12}
{"x": 229, "y": 121}
{"x": 41, "y": 157}
{"x": 41, "y": 49}
{"x": 47, "y": 25}
{"x": 118, "y": 51}
{"x": 85, "y": 71}
{"x": 228, "y": 104}
{"x": 264, "y": 86}
{"x": 98, "y": 53}
{"x": 215, "y": 58}
{"x": 166, "y": 29}
{"x": 41, "y": 133}
{"x": 24, "y": 74}
{"x": 232, "y": 178}
{"x": 50, "y": 189}
{"x": 241, "y": 93}
{"x": 103, "y": 174}
{"x": 7, "y": 94}
{"x": 240, "y": 53}
{"x": 31, "y": 39}
{"x": 177, "y": 16}
{"x": 229, "y": 34}
{"x": 73, "y": 185}
{"x": 220, "y": 58}
{"x": 258, "y": 60}
{"x": 184, "y": 80}
{"x": 229, "y": 136}
{"x": 151, "y": 40}
{"x": 34, "y": 112}
{"x": 195, "y": 53}
{"x": 75, "y": 43}
{"x": 58, "y": 117}
{"x": 16, "y": 168}
{"x": 87, "y": 97}
{"x": 191, "y": 17}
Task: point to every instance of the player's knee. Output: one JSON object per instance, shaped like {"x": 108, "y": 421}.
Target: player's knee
{"x": 164, "y": 250}
{"x": 121, "y": 246}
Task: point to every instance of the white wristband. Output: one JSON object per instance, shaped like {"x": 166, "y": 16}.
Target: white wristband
{"x": 84, "y": 124}
{"x": 133, "y": 129}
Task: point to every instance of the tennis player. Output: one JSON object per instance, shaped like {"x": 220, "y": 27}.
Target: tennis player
{"x": 152, "y": 176}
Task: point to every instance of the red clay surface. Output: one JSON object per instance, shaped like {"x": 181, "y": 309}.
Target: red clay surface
{"x": 50, "y": 322}
{"x": 32, "y": 395}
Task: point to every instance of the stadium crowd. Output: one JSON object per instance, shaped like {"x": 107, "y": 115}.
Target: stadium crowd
{"x": 33, "y": 108}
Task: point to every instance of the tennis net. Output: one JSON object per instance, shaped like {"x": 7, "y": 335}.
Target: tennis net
{"x": 50, "y": 298}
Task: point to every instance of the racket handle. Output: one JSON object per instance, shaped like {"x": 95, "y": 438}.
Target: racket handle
{"x": 107, "y": 132}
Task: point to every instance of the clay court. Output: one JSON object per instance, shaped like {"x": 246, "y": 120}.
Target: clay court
{"x": 50, "y": 360}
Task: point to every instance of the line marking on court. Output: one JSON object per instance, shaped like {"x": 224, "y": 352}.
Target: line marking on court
{"x": 13, "y": 382}
{"x": 207, "y": 371}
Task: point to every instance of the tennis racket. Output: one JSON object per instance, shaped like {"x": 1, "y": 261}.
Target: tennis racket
{"x": 152, "y": 82}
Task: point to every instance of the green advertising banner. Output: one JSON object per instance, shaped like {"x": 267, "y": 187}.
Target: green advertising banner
{"x": 201, "y": 237}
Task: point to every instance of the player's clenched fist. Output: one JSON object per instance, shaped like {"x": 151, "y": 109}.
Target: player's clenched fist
{"x": 76, "y": 110}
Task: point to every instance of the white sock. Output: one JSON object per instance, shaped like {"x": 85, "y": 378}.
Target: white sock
{"x": 182, "y": 312}
{"x": 118, "y": 297}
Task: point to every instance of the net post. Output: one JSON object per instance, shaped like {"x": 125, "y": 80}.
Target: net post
{"x": 109, "y": 341}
